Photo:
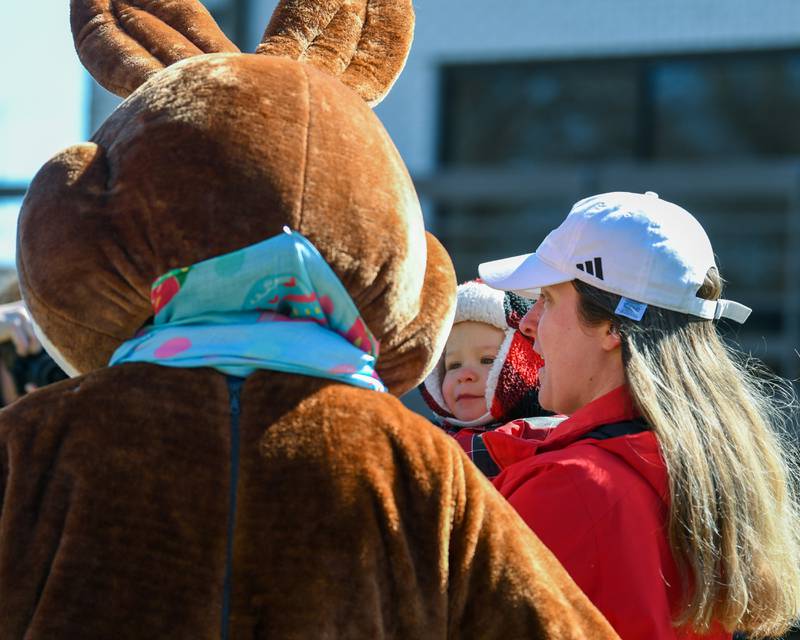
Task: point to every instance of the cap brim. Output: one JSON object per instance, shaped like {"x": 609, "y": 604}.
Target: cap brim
{"x": 520, "y": 273}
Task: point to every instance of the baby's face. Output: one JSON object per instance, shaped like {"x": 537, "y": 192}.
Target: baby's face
{"x": 469, "y": 354}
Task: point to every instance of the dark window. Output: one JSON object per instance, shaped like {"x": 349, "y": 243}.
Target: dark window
{"x": 717, "y": 106}
{"x": 727, "y": 107}
{"x": 501, "y": 114}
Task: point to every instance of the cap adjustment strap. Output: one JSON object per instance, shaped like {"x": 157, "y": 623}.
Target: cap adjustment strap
{"x": 732, "y": 310}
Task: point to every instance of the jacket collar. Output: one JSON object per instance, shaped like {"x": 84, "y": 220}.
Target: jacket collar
{"x": 615, "y": 406}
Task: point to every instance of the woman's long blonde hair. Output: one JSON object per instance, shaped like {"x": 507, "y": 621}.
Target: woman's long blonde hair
{"x": 723, "y": 426}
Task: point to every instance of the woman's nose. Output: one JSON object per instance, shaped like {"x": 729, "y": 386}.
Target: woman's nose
{"x": 530, "y": 321}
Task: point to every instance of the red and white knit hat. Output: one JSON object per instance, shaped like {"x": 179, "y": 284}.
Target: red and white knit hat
{"x": 513, "y": 380}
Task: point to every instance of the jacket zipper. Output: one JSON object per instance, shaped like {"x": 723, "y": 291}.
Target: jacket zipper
{"x": 234, "y": 396}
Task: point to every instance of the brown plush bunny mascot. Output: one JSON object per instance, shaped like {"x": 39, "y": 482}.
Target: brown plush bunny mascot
{"x": 236, "y": 471}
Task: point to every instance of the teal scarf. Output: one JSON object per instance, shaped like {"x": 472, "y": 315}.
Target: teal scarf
{"x": 275, "y": 305}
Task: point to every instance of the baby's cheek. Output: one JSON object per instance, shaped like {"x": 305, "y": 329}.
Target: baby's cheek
{"x": 448, "y": 389}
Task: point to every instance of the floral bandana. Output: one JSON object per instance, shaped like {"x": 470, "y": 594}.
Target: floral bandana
{"x": 275, "y": 305}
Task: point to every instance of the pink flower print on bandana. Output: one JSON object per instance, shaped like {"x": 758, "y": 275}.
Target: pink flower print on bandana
{"x": 173, "y": 347}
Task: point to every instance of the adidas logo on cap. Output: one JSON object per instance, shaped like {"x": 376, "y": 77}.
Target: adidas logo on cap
{"x": 592, "y": 267}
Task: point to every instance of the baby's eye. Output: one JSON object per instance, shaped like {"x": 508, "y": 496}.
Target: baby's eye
{"x": 452, "y": 365}
{"x": 487, "y": 360}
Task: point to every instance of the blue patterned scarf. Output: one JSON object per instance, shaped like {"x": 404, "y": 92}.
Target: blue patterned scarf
{"x": 275, "y": 305}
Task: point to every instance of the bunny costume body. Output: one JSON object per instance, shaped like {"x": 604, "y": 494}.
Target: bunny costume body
{"x": 227, "y": 494}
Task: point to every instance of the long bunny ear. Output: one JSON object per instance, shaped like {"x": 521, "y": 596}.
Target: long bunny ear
{"x": 124, "y": 42}
{"x": 364, "y": 43}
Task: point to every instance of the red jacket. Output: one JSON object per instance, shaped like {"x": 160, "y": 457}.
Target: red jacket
{"x": 601, "y": 506}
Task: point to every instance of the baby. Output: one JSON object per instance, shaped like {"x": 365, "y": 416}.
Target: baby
{"x": 488, "y": 374}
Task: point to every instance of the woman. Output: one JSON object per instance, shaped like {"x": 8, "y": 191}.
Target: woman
{"x": 667, "y": 493}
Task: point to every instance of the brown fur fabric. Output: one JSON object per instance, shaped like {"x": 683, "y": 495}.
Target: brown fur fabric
{"x": 125, "y": 42}
{"x": 151, "y": 502}
{"x": 353, "y": 519}
{"x": 344, "y": 38}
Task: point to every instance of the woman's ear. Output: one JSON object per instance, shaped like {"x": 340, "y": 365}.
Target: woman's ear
{"x": 364, "y": 43}
{"x": 611, "y": 339}
{"x": 124, "y": 42}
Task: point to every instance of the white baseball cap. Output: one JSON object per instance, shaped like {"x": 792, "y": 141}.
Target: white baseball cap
{"x": 647, "y": 250}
